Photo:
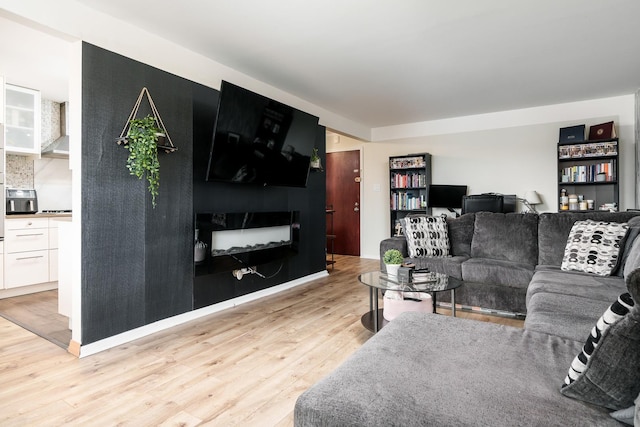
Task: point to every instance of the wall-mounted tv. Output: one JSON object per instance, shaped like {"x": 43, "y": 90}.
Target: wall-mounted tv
{"x": 257, "y": 140}
{"x": 446, "y": 196}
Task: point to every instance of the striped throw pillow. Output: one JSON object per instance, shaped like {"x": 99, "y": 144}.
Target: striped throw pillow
{"x": 613, "y": 314}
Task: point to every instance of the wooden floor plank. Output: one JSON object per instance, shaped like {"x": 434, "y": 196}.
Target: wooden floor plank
{"x": 242, "y": 366}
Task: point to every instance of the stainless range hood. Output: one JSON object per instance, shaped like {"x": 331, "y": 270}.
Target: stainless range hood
{"x": 59, "y": 149}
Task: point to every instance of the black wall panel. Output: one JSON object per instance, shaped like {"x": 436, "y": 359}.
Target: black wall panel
{"x": 137, "y": 262}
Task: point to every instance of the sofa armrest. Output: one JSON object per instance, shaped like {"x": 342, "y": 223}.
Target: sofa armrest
{"x": 396, "y": 242}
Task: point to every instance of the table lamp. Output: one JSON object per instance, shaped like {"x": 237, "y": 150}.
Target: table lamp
{"x": 531, "y": 198}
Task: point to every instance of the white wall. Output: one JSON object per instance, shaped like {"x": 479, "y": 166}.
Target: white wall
{"x": 52, "y": 181}
{"x": 74, "y": 20}
{"x": 509, "y": 152}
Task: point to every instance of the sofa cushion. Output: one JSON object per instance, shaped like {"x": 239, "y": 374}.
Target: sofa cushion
{"x": 553, "y": 230}
{"x": 427, "y": 236}
{"x": 632, "y": 260}
{"x": 488, "y": 297}
{"x": 497, "y": 272}
{"x": 451, "y": 266}
{"x": 509, "y": 237}
{"x": 548, "y": 279}
{"x": 625, "y": 248}
{"x": 607, "y": 370}
{"x": 566, "y": 316}
{"x": 423, "y": 369}
{"x": 593, "y": 246}
{"x": 461, "y": 234}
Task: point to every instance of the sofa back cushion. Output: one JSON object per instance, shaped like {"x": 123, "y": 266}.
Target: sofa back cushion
{"x": 625, "y": 248}
{"x": 510, "y": 236}
{"x": 554, "y": 228}
{"x": 461, "y": 234}
{"x": 632, "y": 259}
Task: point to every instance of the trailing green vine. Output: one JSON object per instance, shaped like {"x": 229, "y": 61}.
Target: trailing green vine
{"x": 142, "y": 138}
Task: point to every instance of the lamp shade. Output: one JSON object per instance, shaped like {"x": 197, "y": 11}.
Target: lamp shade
{"x": 532, "y": 197}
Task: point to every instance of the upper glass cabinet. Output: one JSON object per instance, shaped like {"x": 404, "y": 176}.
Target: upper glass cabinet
{"x": 22, "y": 120}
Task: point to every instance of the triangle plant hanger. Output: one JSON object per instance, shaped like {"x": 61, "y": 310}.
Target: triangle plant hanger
{"x": 168, "y": 146}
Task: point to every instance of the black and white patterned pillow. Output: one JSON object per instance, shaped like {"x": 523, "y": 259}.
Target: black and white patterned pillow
{"x": 614, "y": 313}
{"x": 607, "y": 370}
{"x": 593, "y": 246}
{"x": 427, "y": 236}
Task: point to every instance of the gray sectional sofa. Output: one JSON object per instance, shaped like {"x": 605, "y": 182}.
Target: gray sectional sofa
{"x": 426, "y": 369}
{"x": 496, "y": 254}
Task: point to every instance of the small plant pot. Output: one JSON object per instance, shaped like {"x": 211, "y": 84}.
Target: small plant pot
{"x": 392, "y": 269}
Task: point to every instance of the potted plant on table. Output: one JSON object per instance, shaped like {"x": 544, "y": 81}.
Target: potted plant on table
{"x": 392, "y": 259}
{"x": 142, "y": 142}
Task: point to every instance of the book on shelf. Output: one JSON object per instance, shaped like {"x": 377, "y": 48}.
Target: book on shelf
{"x": 594, "y": 149}
{"x": 406, "y": 201}
{"x": 408, "y": 180}
{"x": 407, "y": 162}
{"x": 588, "y": 173}
{"x": 602, "y": 131}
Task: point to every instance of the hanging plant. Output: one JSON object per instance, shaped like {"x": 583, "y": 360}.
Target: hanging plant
{"x": 142, "y": 139}
{"x": 315, "y": 159}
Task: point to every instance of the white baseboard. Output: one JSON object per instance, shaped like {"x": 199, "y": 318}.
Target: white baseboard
{"x": 25, "y": 290}
{"x": 161, "y": 325}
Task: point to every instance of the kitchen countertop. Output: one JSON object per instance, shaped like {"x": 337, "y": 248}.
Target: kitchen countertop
{"x": 39, "y": 215}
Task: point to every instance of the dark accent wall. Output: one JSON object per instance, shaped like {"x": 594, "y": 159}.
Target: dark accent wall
{"x": 211, "y": 286}
{"x": 137, "y": 262}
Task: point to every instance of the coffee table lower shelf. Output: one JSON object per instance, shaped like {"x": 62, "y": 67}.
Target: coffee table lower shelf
{"x": 367, "y": 320}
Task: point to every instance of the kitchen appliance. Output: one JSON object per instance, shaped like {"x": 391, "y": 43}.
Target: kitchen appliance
{"x": 21, "y": 201}
{"x": 59, "y": 149}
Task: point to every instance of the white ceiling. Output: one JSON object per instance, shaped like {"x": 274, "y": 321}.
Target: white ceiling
{"x": 34, "y": 59}
{"x": 387, "y": 62}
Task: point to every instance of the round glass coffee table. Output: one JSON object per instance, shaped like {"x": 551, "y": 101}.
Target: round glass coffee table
{"x": 431, "y": 283}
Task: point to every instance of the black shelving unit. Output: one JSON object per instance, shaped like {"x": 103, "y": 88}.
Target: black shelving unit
{"x": 331, "y": 237}
{"x": 410, "y": 177}
{"x": 590, "y": 169}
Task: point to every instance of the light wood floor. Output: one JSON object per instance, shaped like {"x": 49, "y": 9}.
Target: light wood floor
{"x": 38, "y": 313}
{"x": 244, "y": 366}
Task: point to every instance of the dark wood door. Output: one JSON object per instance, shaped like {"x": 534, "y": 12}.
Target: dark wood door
{"x": 343, "y": 193}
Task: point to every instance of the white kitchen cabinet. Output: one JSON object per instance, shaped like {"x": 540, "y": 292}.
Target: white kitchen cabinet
{"x": 1, "y": 99}
{"x": 22, "y": 120}
{"x": 26, "y": 252}
{"x": 26, "y": 268}
{"x": 1, "y": 264}
{"x": 53, "y": 247}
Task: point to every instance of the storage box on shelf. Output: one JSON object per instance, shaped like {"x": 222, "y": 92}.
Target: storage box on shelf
{"x": 410, "y": 177}
{"x": 589, "y": 169}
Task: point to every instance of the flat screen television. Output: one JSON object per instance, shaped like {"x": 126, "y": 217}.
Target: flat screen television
{"x": 446, "y": 196}
{"x": 257, "y": 140}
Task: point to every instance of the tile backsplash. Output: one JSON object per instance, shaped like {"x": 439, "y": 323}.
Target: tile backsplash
{"x": 50, "y": 122}
{"x": 19, "y": 171}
